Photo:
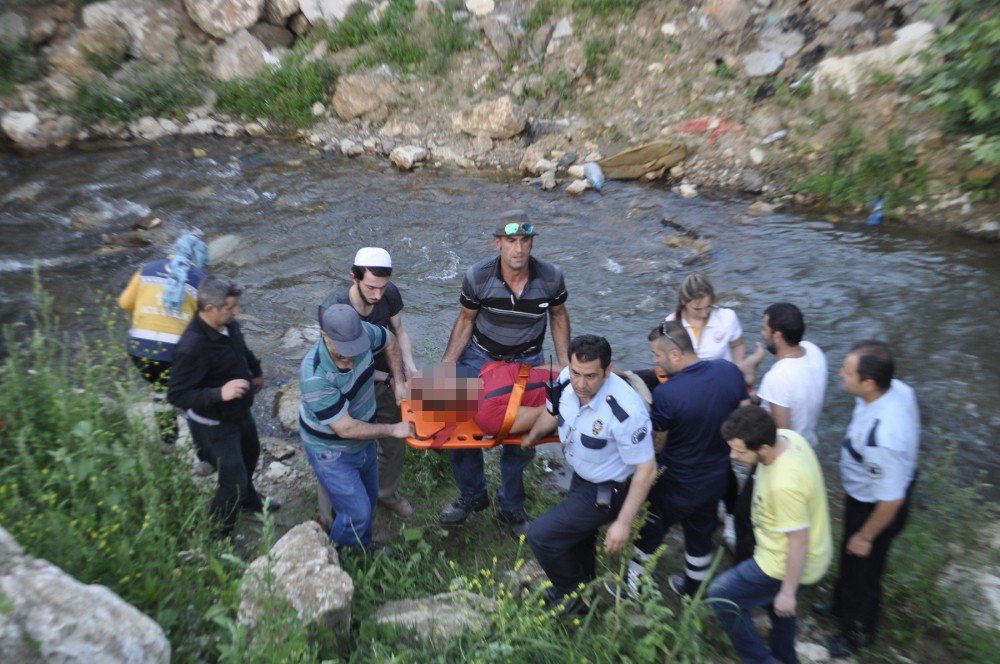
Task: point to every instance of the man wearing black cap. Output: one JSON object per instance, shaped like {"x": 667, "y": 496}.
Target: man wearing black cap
{"x": 505, "y": 304}
{"x": 336, "y": 421}
{"x": 378, "y": 301}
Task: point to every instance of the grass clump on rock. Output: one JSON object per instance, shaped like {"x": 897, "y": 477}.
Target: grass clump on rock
{"x": 284, "y": 94}
{"x": 160, "y": 92}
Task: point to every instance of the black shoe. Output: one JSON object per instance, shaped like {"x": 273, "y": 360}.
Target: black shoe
{"x": 518, "y": 521}
{"x": 258, "y": 502}
{"x": 567, "y": 606}
{"x": 823, "y": 609}
{"x": 678, "y": 584}
{"x": 839, "y": 647}
{"x": 456, "y": 513}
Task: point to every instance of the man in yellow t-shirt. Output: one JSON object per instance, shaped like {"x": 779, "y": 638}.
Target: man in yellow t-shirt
{"x": 791, "y": 524}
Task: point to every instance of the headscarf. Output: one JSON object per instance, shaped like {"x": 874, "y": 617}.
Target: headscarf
{"x": 189, "y": 250}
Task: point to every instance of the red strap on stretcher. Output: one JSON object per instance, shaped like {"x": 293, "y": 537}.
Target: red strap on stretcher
{"x": 516, "y": 395}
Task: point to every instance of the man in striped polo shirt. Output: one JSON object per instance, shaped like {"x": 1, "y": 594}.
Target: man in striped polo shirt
{"x": 336, "y": 418}
{"x": 506, "y": 301}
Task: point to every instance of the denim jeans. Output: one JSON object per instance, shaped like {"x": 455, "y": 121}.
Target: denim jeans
{"x": 732, "y": 595}
{"x": 350, "y": 480}
{"x": 233, "y": 448}
{"x": 467, "y": 465}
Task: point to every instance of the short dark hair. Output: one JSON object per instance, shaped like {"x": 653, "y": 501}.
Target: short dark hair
{"x": 675, "y": 332}
{"x": 214, "y": 290}
{"x": 590, "y": 347}
{"x": 875, "y": 362}
{"x": 752, "y": 425}
{"x": 359, "y": 271}
{"x": 786, "y": 318}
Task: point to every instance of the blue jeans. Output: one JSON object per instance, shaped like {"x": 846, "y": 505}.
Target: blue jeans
{"x": 467, "y": 465}
{"x": 732, "y": 595}
{"x": 351, "y": 483}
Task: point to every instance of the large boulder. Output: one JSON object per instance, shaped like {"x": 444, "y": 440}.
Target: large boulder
{"x": 31, "y": 133}
{"x": 502, "y": 33}
{"x": 221, "y": 18}
{"x": 286, "y": 406}
{"x": 325, "y": 11}
{"x": 77, "y": 55}
{"x": 440, "y": 617}
{"x": 848, "y": 73}
{"x": 151, "y": 26}
{"x": 277, "y": 12}
{"x": 303, "y": 569}
{"x": 240, "y": 56}
{"x": 405, "y": 157}
{"x": 500, "y": 118}
{"x": 51, "y": 617}
{"x": 370, "y": 94}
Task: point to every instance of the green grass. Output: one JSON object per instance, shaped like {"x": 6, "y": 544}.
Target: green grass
{"x": 105, "y": 61}
{"x": 854, "y": 176}
{"x": 158, "y": 93}
{"x": 284, "y": 95}
{"x": 14, "y": 67}
{"x": 599, "y": 59}
{"x": 619, "y": 10}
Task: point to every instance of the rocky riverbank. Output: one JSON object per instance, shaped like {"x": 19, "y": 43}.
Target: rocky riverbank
{"x": 798, "y": 104}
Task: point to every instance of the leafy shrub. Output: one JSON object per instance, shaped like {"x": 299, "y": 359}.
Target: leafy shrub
{"x": 284, "y": 94}
{"x": 155, "y": 92}
{"x": 964, "y": 82}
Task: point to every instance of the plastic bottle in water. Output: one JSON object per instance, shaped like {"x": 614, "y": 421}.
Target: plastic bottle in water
{"x": 594, "y": 175}
{"x": 878, "y": 212}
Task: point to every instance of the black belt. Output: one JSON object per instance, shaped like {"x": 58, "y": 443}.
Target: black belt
{"x": 620, "y": 486}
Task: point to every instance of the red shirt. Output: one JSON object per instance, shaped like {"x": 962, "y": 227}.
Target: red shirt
{"x": 498, "y": 382}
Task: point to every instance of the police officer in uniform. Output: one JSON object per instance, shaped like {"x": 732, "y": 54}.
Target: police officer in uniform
{"x": 606, "y": 437}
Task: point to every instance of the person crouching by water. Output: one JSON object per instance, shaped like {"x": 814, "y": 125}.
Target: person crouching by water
{"x": 162, "y": 298}
{"x": 606, "y": 436}
{"x": 214, "y": 378}
{"x": 336, "y": 418}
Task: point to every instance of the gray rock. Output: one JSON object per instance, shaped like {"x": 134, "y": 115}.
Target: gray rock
{"x": 277, "y": 12}
{"x": 562, "y": 30}
{"x": 299, "y": 24}
{"x": 226, "y": 248}
{"x": 500, "y": 119}
{"x": 405, "y": 157}
{"x": 845, "y": 20}
{"x": 305, "y": 572}
{"x": 221, "y": 18}
{"x": 31, "y": 133}
{"x": 577, "y": 187}
{"x": 480, "y": 7}
{"x": 286, "y": 406}
{"x": 785, "y": 44}
{"x": 271, "y": 36}
{"x": 52, "y": 617}
{"x": 440, "y": 617}
{"x": 326, "y": 11}
{"x": 449, "y": 154}
{"x": 548, "y": 180}
{"x": 370, "y": 94}
{"x": 501, "y": 33}
{"x": 350, "y": 149}
{"x": 730, "y": 15}
{"x": 759, "y": 209}
{"x": 751, "y": 181}
{"x": 151, "y": 26}
{"x": 240, "y": 56}
{"x": 13, "y": 28}
{"x": 762, "y": 63}
{"x": 848, "y": 73}
{"x": 73, "y": 57}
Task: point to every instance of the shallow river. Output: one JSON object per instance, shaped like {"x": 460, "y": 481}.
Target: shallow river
{"x": 300, "y": 217}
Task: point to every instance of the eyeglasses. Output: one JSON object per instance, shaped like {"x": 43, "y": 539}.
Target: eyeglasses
{"x": 514, "y": 227}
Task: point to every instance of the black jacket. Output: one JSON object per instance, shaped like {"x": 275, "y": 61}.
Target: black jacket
{"x": 204, "y": 361}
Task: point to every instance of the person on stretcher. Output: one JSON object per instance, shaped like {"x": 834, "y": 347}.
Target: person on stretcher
{"x": 455, "y": 395}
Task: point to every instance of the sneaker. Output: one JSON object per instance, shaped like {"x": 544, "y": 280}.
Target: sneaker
{"x": 397, "y": 505}
{"x": 839, "y": 647}
{"x": 457, "y": 512}
{"x": 729, "y": 532}
{"x": 633, "y": 577}
{"x": 518, "y": 521}
{"x": 678, "y": 584}
{"x": 261, "y": 503}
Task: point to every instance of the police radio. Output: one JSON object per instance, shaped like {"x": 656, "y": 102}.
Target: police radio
{"x": 553, "y": 392}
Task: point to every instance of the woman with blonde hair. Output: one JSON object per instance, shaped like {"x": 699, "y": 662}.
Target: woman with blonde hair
{"x": 715, "y": 331}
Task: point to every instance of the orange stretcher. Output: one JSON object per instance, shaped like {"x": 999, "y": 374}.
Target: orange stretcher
{"x": 435, "y": 432}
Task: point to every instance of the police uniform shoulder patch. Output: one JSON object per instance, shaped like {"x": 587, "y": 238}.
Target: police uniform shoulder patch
{"x": 639, "y": 435}
{"x": 620, "y": 413}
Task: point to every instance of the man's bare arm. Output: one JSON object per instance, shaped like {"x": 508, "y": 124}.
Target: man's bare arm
{"x": 348, "y": 427}
{"x": 559, "y": 320}
{"x": 460, "y": 334}
{"x": 405, "y": 345}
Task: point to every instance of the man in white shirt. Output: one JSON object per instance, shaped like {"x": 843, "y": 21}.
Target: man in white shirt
{"x": 792, "y": 391}
{"x": 878, "y": 465}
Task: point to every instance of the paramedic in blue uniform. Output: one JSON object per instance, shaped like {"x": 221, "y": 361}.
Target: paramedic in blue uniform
{"x": 506, "y": 301}
{"x": 878, "y": 465}
{"x": 606, "y": 437}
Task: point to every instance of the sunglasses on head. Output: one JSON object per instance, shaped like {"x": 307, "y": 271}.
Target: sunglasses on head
{"x": 514, "y": 228}
{"x": 665, "y": 335}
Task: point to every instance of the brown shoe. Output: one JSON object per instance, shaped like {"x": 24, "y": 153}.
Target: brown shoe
{"x": 397, "y": 505}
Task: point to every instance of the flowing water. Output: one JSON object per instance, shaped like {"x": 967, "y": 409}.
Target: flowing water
{"x": 300, "y": 215}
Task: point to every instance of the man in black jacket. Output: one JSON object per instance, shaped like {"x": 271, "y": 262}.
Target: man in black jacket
{"x": 214, "y": 378}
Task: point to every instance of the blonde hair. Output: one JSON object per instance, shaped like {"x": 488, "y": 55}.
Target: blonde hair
{"x": 695, "y": 287}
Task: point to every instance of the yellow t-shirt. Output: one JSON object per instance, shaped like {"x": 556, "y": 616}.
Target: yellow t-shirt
{"x": 789, "y": 495}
